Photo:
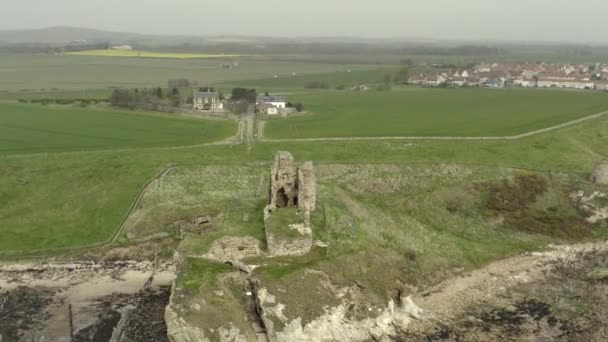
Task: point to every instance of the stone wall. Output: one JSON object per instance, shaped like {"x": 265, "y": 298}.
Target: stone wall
{"x": 600, "y": 173}
{"x": 307, "y": 188}
{"x": 283, "y": 181}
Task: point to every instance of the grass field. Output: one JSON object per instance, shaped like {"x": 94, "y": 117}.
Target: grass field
{"x": 47, "y": 72}
{"x": 148, "y": 54}
{"x": 32, "y": 129}
{"x": 70, "y": 200}
{"x": 413, "y": 111}
{"x": 345, "y": 77}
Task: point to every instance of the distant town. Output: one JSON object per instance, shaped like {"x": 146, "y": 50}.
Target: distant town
{"x": 537, "y": 75}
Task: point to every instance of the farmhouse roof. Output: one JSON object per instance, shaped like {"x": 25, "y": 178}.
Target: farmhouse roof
{"x": 272, "y": 99}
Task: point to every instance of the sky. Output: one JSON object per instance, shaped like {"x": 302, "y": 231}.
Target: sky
{"x": 516, "y": 20}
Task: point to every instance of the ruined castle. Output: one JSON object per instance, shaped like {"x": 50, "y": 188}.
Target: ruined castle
{"x": 291, "y": 186}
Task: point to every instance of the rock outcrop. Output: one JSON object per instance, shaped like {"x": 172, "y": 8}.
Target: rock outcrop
{"x": 231, "y": 248}
{"x": 600, "y": 173}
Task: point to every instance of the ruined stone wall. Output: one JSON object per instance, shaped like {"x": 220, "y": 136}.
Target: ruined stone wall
{"x": 290, "y": 186}
{"x": 307, "y": 195}
{"x": 294, "y": 246}
{"x": 283, "y": 181}
{"x": 600, "y": 173}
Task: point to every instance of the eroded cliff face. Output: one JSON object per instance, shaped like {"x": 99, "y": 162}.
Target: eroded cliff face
{"x": 487, "y": 304}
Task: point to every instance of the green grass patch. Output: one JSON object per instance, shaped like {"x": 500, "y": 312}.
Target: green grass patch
{"x": 200, "y": 273}
{"x": 279, "y": 221}
{"x": 31, "y": 129}
{"x": 413, "y": 111}
{"x": 345, "y": 77}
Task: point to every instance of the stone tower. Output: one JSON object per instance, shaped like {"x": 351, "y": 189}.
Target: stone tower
{"x": 292, "y": 198}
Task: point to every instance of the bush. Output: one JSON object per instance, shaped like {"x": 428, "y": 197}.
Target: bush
{"x": 341, "y": 87}
{"x": 23, "y": 101}
{"x": 317, "y": 85}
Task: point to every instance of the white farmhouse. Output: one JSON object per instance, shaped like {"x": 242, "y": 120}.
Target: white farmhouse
{"x": 207, "y": 100}
{"x": 275, "y": 101}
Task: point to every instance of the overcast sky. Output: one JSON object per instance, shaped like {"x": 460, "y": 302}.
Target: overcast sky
{"x": 548, "y": 20}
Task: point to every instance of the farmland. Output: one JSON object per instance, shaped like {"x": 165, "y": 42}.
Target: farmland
{"x": 148, "y": 54}
{"x": 97, "y": 181}
{"x": 33, "y": 129}
{"x": 24, "y": 73}
{"x": 413, "y": 111}
{"x": 343, "y": 77}
{"x": 70, "y": 200}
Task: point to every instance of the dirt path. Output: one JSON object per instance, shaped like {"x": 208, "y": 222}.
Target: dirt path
{"x": 512, "y": 137}
{"x": 452, "y": 297}
{"x": 249, "y": 119}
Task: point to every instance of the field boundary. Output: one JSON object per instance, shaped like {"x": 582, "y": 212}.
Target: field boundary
{"x": 512, "y": 137}
{"x": 44, "y": 253}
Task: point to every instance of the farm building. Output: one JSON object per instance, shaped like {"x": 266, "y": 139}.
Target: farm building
{"x": 266, "y": 108}
{"x": 271, "y": 105}
{"x": 276, "y": 101}
{"x": 206, "y": 100}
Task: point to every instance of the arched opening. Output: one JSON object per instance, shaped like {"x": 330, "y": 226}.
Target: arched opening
{"x": 282, "y": 199}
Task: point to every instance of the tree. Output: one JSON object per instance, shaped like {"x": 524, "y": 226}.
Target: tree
{"x": 407, "y": 62}
{"x": 299, "y": 107}
{"x": 403, "y": 75}
{"x": 159, "y": 92}
{"x": 387, "y": 82}
{"x": 175, "y": 98}
{"x": 249, "y": 95}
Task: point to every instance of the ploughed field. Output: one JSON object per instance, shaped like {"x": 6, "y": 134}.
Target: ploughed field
{"x": 424, "y": 112}
{"x": 33, "y": 129}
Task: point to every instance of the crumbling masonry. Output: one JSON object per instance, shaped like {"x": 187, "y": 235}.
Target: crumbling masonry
{"x": 600, "y": 173}
{"x": 290, "y": 187}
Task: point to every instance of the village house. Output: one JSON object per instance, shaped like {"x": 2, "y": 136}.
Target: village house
{"x": 271, "y": 105}
{"x": 207, "y": 100}
{"x": 501, "y": 75}
{"x": 435, "y": 81}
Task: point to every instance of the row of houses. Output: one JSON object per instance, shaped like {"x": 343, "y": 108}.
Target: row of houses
{"x": 524, "y": 75}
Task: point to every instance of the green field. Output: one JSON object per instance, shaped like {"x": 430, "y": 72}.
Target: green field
{"x": 69, "y": 200}
{"x": 343, "y": 77}
{"x": 32, "y": 129}
{"x": 48, "y": 72}
{"x": 412, "y": 111}
{"x": 148, "y": 54}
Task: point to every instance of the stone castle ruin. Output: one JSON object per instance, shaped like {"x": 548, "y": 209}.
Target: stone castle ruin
{"x": 292, "y": 199}
{"x": 600, "y": 173}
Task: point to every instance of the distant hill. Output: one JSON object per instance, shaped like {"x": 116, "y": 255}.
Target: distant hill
{"x": 62, "y": 35}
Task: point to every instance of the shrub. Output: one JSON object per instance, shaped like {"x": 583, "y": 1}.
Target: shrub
{"x": 317, "y": 85}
